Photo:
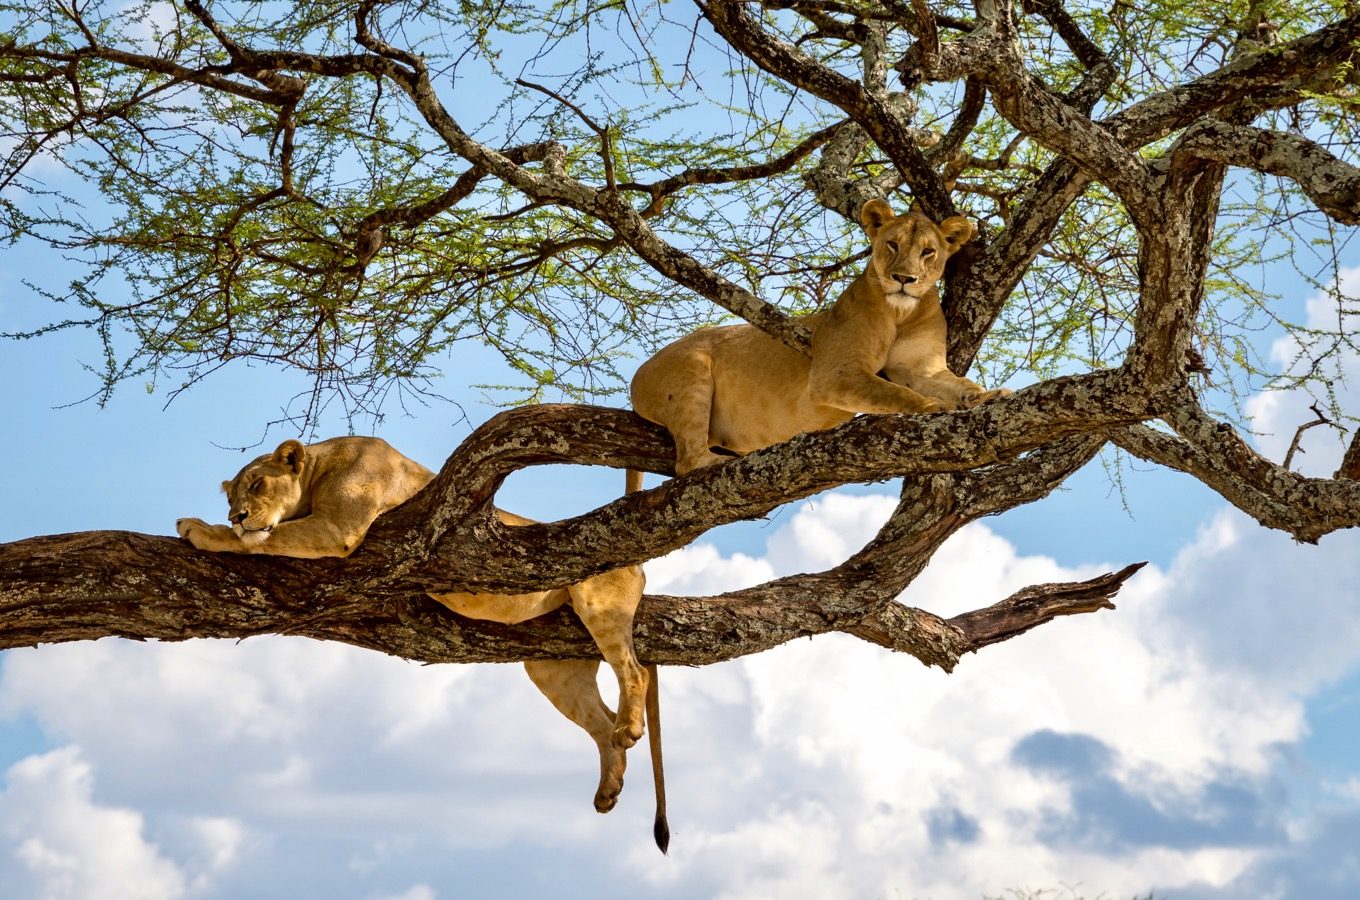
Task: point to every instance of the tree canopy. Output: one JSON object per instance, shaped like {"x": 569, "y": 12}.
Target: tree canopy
{"x": 352, "y": 188}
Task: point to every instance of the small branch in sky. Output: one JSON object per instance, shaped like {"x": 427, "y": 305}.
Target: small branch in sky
{"x": 606, "y": 154}
{"x": 1298, "y": 435}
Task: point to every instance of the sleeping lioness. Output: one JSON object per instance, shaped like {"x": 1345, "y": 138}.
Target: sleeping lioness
{"x": 319, "y": 500}
{"x": 879, "y": 349}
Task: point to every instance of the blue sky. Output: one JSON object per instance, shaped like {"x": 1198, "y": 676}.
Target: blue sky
{"x": 1200, "y": 741}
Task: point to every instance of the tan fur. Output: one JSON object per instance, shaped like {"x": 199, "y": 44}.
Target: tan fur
{"x": 879, "y": 349}
{"x": 319, "y": 501}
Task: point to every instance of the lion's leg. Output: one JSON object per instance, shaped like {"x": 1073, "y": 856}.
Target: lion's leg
{"x": 570, "y": 685}
{"x": 861, "y": 392}
{"x": 682, "y": 400}
{"x": 605, "y": 605}
{"x": 310, "y": 537}
{"x": 954, "y": 391}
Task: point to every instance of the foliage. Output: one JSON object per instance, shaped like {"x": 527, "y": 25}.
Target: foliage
{"x": 219, "y": 211}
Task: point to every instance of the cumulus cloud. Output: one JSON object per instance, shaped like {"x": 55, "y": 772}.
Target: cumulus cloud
{"x": 287, "y": 731}
{"x": 56, "y": 842}
{"x": 1126, "y": 751}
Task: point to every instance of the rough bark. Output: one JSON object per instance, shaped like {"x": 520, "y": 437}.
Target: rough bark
{"x": 955, "y": 467}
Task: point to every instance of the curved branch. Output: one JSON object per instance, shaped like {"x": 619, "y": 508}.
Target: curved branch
{"x": 868, "y": 448}
{"x": 1065, "y": 129}
{"x": 1331, "y": 183}
{"x": 1214, "y": 453}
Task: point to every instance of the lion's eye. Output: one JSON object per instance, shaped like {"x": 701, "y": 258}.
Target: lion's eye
{"x": 928, "y": 253}
{"x": 892, "y": 245}
{"x": 256, "y": 485}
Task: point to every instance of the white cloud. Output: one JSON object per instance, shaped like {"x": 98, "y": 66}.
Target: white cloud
{"x": 417, "y": 892}
{"x": 56, "y": 842}
{"x": 920, "y": 777}
{"x": 1123, "y": 750}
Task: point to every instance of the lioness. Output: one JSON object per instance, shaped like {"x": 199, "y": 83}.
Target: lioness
{"x": 879, "y": 349}
{"x": 319, "y": 500}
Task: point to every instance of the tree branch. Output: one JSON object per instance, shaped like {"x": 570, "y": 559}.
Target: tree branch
{"x": 731, "y": 20}
{"x": 1214, "y": 453}
{"x": 1332, "y": 184}
{"x": 868, "y": 448}
{"x": 1040, "y": 603}
{"x": 1257, "y": 77}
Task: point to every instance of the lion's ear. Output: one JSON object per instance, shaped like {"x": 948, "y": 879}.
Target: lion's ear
{"x": 226, "y": 487}
{"x": 874, "y": 214}
{"x": 956, "y": 231}
{"x": 291, "y": 454}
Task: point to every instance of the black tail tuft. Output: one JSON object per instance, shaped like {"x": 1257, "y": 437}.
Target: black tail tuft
{"x": 662, "y": 832}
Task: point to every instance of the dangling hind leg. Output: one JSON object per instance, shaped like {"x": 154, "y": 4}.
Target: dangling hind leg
{"x": 605, "y": 605}
{"x": 570, "y": 685}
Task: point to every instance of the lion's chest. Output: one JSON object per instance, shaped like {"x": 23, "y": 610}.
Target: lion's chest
{"x": 902, "y": 305}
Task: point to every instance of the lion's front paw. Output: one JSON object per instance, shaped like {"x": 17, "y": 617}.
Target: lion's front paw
{"x": 933, "y": 406}
{"x": 977, "y": 398}
{"x": 207, "y": 537}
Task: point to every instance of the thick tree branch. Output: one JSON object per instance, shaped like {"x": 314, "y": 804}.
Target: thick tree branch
{"x": 1173, "y": 259}
{"x": 118, "y": 584}
{"x": 868, "y": 448}
{"x": 1214, "y": 453}
{"x": 1332, "y": 184}
{"x": 80, "y": 587}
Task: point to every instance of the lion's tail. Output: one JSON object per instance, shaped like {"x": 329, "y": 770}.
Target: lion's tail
{"x": 661, "y": 829}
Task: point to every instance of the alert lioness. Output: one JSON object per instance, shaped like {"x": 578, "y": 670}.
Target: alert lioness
{"x": 319, "y": 500}
{"x": 879, "y": 349}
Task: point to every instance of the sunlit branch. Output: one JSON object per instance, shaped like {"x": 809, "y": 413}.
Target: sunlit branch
{"x": 1214, "y": 453}
{"x": 1331, "y": 183}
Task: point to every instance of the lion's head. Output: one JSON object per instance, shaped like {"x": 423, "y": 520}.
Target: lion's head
{"x": 909, "y": 251}
{"x": 267, "y": 491}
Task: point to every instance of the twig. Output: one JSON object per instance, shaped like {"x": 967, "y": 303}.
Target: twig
{"x": 605, "y": 153}
{"x": 1298, "y": 435}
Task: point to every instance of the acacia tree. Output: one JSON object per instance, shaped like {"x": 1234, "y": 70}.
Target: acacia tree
{"x": 353, "y": 187}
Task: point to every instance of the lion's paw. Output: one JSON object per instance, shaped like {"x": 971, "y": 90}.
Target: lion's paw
{"x": 977, "y": 398}
{"x": 206, "y": 537}
{"x": 611, "y": 781}
{"x": 605, "y": 801}
{"x": 627, "y": 734}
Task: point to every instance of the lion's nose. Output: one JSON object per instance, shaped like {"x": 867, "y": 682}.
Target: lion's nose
{"x": 238, "y": 518}
{"x": 905, "y": 279}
